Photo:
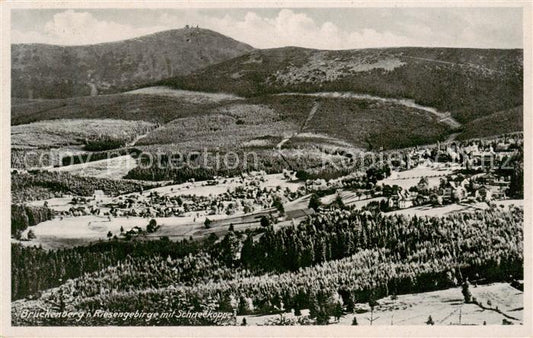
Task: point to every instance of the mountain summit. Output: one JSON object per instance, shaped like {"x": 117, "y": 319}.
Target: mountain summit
{"x": 49, "y": 71}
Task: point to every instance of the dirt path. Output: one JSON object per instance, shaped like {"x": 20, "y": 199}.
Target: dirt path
{"x": 451, "y": 137}
{"x": 132, "y": 143}
{"x": 444, "y": 117}
{"x": 302, "y": 128}
{"x": 140, "y": 137}
{"x": 310, "y": 117}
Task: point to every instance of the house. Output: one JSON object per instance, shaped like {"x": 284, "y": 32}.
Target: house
{"x": 401, "y": 200}
{"x": 393, "y": 202}
{"x": 447, "y": 191}
{"x": 404, "y": 203}
{"x": 502, "y": 147}
{"x": 483, "y": 193}
{"x": 318, "y": 184}
{"x": 423, "y": 185}
{"x": 435, "y": 199}
{"x": 459, "y": 193}
{"x": 422, "y": 199}
{"x": 98, "y": 194}
{"x": 497, "y": 193}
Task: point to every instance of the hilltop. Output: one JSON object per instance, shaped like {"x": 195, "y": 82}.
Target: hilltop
{"x": 49, "y": 71}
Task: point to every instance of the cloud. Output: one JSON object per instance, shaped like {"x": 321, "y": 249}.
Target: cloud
{"x": 79, "y": 28}
{"x": 302, "y": 28}
{"x": 289, "y": 28}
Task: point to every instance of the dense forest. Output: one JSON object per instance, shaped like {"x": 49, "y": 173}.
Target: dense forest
{"x": 23, "y": 216}
{"x": 39, "y": 185}
{"x": 338, "y": 256}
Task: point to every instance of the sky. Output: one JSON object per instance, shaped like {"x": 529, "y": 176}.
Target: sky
{"x": 323, "y": 28}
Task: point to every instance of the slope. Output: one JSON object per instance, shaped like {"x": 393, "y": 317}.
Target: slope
{"x": 468, "y": 83}
{"x": 502, "y": 122}
{"x": 48, "y": 71}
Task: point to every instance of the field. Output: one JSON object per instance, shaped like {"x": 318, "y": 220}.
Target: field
{"x": 116, "y": 167}
{"x": 69, "y": 232}
{"x": 431, "y": 211}
{"x": 408, "y": 178}
{"x": 44, "y": 144}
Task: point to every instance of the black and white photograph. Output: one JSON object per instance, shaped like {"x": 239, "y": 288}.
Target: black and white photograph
{"x": 266, "y": 166}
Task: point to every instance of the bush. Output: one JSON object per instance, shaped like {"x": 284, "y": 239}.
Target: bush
{"x": 152, "y": 226}
{"x": 264, "y": 221}
{"x": 314, "y": 202}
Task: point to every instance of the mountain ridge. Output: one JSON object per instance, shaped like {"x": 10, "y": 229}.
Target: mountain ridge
{"x": 468, "y": 83}
{"x": 53, "y": 71}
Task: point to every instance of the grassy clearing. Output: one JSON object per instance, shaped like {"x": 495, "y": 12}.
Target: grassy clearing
{"x": 112, "y": 168}
{"x": 411, "y": 177}
{"x": 188, "y": 96}
{"x": 226, "y": 127}
{"x": 72, "y": 132}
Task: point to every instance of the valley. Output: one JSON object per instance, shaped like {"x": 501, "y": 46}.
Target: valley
{"x": 185, "y": 170}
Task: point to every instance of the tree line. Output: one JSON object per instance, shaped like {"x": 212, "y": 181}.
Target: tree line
{"x": 327, "y": 263}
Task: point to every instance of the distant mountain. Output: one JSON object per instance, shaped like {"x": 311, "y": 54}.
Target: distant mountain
{"x": 48, "y": 71}
{"x": 468, "y": 83}
{"x": 370, "y": 98}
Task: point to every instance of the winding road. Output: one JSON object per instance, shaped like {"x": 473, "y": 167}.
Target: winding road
{"x": 444, "y": 117}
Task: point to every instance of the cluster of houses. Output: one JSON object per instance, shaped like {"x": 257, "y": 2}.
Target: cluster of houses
{"x": 246, "y": 196}
{"x": 452, "y": 189}
{"x": 481, "y": 157}
{"x": 472, "y": 154}
{"x": 478, "y": 154}
{"x": 475, "y": 183}
{"x": 353, "y": 180}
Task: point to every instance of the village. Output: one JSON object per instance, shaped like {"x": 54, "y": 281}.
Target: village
{"x": 426, "y": 181}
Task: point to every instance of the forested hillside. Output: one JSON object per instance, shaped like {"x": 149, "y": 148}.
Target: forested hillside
{"x": 49, "y": 71}
{"x": 469, "y": 83}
